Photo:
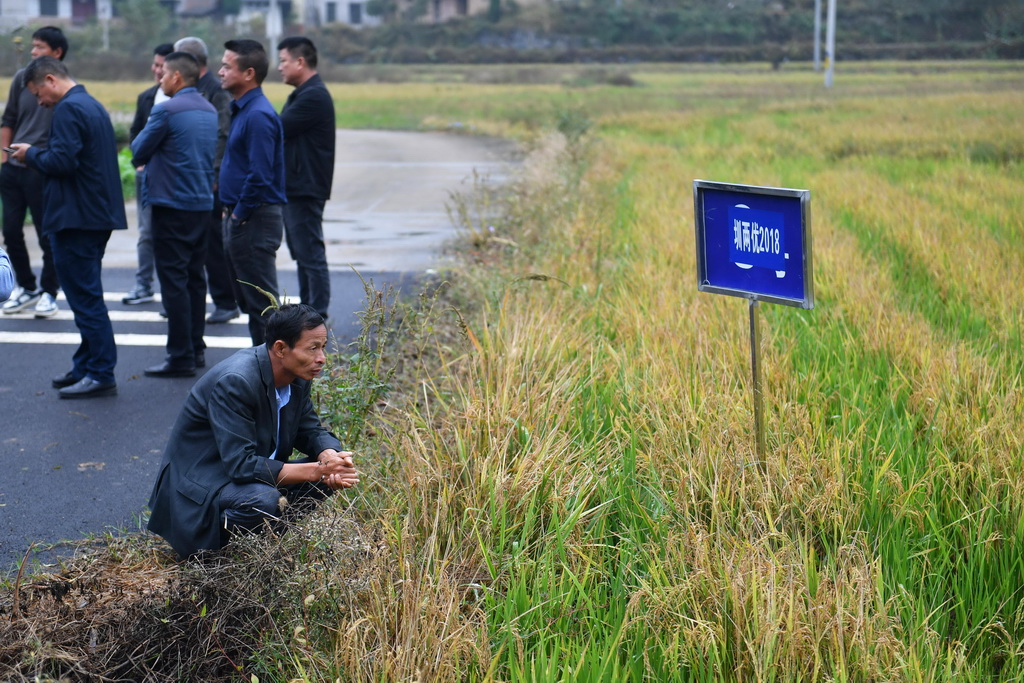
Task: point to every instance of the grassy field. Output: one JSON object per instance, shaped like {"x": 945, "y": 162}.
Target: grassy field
{"x": 578, "y": 497}
{"x": 569, "y": 491}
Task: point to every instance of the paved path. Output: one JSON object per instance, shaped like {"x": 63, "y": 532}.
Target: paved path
{"x": 77, "y": 468}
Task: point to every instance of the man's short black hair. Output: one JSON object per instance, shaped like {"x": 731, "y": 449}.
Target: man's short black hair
{"x": 41, "y": 67}
{"x": 288, "y": 323}
{"x": 184, "y": 63}
{"x": 54, "y": 37}
{"x": 300, "y": 46}
{"x": 251, "y": 55}
{"x": 163, "y": 49}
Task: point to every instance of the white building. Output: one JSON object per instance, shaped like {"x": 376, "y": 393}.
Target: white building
{"x": 309, "y": 12}
{"x": 15, "y": 13}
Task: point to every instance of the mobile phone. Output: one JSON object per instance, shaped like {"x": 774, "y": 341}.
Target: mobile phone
{"x": 10, "y": 150}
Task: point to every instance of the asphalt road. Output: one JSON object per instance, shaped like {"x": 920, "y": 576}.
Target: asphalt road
{"x": 72, "y": 469}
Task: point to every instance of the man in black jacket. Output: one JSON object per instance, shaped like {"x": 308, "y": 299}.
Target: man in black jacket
{"x": 308, "y": 121}
{"x": 143, "y": 291}
{"x": 225, "y": 308}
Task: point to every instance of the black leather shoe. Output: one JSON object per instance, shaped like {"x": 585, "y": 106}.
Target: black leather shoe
{"x": 222, "y": 315}
{"x": 87, "y": 387}
{"x": 165, "y": 369}
{"x": 65, "y": 380}
{"x": 200, "y": 360}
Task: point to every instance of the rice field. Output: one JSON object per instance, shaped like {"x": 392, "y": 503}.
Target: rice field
{"x": 576, "y": 495}
{"x": 570, "y": 491}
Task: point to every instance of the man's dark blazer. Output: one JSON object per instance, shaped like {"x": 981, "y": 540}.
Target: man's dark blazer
{"x": 209, "y": 87}
{"x": 224, "y": 434}
{"x": 143, "y": 108}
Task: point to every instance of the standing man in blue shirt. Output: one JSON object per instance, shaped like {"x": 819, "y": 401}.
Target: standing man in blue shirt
{"x": 84, "y": 204}
{"x": 308, "y": 120}
{"x": 251, "y": 182}
{"x": 177, "y": 147}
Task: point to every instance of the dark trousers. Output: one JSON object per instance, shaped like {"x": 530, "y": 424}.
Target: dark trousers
{"x": 304, "y": 233}
{"x": 247, "y": 507}
{"x": 252, "y": 262}
{"x": 179, "y": 245}
{"x": 217, "y": 277}
{"x": 78, "y": 258}
{"x": 21, "y": 190}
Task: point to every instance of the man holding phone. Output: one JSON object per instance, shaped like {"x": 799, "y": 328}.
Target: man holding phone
{"x": 82, "y": 190}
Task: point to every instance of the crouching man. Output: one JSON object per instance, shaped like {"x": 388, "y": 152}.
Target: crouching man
{"x": 228, "y": 459}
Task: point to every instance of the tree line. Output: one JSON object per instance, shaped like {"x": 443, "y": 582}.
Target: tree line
{"x": 508, "y": 31}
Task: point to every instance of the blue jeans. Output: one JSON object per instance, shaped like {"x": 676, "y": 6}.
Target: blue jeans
{"x": 78, "y": 258}
{"x": 251, "y": 248}
{"x": 304, "y": 233}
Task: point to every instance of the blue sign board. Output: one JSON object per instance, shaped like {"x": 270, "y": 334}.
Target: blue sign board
{"x": 754, "y": 242}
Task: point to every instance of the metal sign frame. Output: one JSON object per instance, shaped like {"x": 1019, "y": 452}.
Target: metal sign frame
{"x": 754, "y": 223}
{"x": 757, "y": 196}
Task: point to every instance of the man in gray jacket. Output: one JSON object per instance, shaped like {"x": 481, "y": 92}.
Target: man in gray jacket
{"x": 229, "y": 456}
{"x": 21, "y": 188}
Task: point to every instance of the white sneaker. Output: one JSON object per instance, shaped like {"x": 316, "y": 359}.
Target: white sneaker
{"x": 46, "y": 307}
{"x": 21, "y": 299}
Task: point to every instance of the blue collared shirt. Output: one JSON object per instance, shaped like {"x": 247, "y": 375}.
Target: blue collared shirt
{"x": 252, "y": 172}
{"x": 284, "y": 394}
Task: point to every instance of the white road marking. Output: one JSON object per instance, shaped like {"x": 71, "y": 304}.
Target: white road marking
{"x": 74, "y": 339}
{"x": 117, "y": 296}
{"x": 116, "y": 316}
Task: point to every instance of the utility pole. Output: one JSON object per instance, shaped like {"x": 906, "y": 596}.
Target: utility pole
{"x": 274, "y": 29}
{"x": 830, "y": 44}
{"x": 817, "y": 36}
{"x": 105, "y": 11}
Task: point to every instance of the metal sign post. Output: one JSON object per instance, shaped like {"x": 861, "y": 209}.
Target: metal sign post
{"x": 755, "y": 366}
{"x": 754, "y": 242}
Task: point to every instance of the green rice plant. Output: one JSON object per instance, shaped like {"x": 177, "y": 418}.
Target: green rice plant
{"x": 126, "y": 169}
{"x": 357, "y": 379}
